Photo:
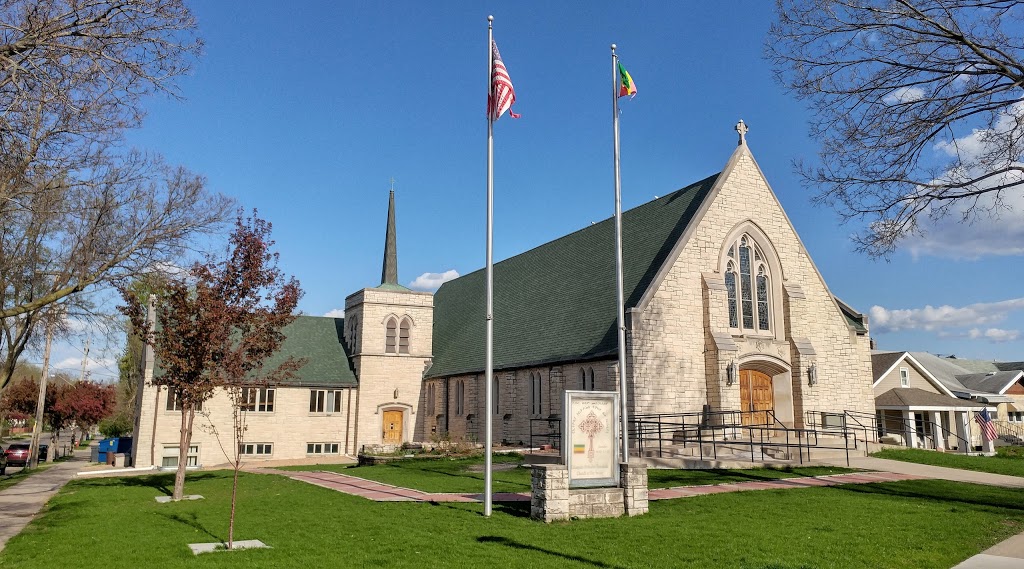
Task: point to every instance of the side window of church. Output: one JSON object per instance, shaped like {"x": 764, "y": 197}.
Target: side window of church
{"x": 170, "y": 456}
{"x": 325, "y": 401}
{"x": 322, "y": 448}
{"x": 748, "y": 286}
{"x": 391, "y": 337}
{"x": 587, "y": 379}
{"x": 258, "y": 400}
{"x": 431, "y": 395}
{"x": 174, "y": 402}
{"x": 257, "y": 449}
{"x": 536, "y": 390}
{"x": 460, "y": 396}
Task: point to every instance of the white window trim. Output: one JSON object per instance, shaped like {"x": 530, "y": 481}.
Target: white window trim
{"x": 325, "y": 448}
{"x": 253, "y": 449}
{"x": 904, "y": 377}
{"x": 339, "y": 396}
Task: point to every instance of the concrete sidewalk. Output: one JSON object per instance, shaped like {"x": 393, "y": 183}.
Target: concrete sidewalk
{"x": 928, "y": 471}
{"x": 1006, "y": 555}
{"x": 21, "y": 502}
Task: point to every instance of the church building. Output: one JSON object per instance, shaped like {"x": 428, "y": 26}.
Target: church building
{"x": 725, "y": 310}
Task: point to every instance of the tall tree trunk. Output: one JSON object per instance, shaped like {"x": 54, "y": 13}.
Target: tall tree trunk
{"x": 234, "y": 494}
{"x": 187, "y": 415}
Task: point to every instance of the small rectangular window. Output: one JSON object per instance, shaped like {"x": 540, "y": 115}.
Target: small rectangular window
{"x": 257, "y": 449}
{"x": 904, "y": 377}
{"x": 322, "y": 448}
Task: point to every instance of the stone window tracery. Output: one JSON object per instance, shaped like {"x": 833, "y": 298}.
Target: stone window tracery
{"x": 748, "y": 287}
{"x": 390, "y": 339}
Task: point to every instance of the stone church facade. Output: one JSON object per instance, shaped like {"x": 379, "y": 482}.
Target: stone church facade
{"x": 725, "y": 310}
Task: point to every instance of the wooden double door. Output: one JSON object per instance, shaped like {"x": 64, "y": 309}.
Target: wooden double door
{"x": 756, "y": 397}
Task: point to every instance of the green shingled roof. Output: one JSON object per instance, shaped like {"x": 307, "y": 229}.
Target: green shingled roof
{"x": 319, "y": 340}
{"x": 556, "y": 303}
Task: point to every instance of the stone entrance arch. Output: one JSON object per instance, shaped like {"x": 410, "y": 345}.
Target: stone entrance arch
{"x": 781, "y": 380}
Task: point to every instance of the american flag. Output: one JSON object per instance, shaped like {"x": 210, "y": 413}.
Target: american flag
{"x": 985, "y": 422}
{"x": 502, "y": 93}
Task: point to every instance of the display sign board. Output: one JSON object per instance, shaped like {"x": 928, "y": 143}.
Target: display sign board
{"x": 591, "y": 438}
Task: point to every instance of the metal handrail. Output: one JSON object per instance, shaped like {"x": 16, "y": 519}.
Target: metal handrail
{"x": 721, "y": 428}
{"x": 1008, "y": 429}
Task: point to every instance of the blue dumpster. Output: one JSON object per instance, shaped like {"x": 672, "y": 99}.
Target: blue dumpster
{"x": 106, "y": 445}
{"x": 118, "y": 445}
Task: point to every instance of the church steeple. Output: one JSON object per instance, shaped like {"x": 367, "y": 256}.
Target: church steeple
{"x": 389, "y": 273}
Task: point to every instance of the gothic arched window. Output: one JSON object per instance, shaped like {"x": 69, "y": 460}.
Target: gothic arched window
{"x": 750, "y": 297}
{"x": 403, "y": 337}
{"x": 390, "y": 339}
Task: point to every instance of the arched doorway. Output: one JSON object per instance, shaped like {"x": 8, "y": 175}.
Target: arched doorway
{"x": 757, "y": 397}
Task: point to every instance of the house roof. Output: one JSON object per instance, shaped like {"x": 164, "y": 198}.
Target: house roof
{"x": 882, "y": 362}
{"x": 992, "y": 382}
{"x": 556, "y": 303}
{"x": 944, "y": 370}
{"x": 914, "y": 397}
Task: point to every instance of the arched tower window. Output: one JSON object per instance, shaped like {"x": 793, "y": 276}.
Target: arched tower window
{"x": 748, "y": 286}
{"x": 403, "y": 337}
{"x": 587, "y": 379}
{"x": 391, "y": 338}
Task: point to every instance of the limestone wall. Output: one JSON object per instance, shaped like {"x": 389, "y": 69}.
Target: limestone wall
{"x": 671, "y": 337}
{"x": 289, "y": 427}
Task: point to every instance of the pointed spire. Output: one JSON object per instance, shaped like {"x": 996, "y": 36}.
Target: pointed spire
{"x": 389, "y": 273}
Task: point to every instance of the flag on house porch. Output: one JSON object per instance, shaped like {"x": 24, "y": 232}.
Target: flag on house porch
{"x": 985, "y": 422}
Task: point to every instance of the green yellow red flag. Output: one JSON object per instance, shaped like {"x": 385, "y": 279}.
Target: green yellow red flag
{"x": 626, "y": 85}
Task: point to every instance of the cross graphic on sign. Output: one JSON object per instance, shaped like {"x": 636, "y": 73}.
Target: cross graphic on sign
{"x": 591, "y": 426}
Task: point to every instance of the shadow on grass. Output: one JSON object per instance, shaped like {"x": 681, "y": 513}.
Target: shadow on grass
{"x": 499, "y": 540}
{"x": 163, "y": 483}
{"x": 191, "y": 521}
{"x": 974, "y": 495}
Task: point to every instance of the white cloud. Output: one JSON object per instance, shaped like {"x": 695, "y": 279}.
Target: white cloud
{"x": 994, "y": 335}
{"x": 994, "y": 223}
{"x": 432, "y": 281}
{"x": 937, "y": 318}
{"x": 903, "y": 95}
{"x": 73, "y": 365}
{"x": 336, "y": 313}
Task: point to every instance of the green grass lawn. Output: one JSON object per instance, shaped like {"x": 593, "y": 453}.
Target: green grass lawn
{"x": 1004, "y": 463}
{"x": 115, "y": 522}
{"x": 466, "y": 475}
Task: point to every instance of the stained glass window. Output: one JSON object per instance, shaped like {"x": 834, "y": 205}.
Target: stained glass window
{"x": 730, "y": 285}
{"x": 762, "y": 299}
{"x": 745, "y": 285}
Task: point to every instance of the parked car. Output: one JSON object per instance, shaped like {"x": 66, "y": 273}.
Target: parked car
{"x": 17, "y": 454}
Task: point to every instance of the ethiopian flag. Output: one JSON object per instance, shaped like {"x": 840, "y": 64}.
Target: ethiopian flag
{"x": 579, "y": 449}
{"x": 626, "y": 85}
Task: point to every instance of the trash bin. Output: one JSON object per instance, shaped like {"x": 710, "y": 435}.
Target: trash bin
{"x": 94, "y": 453}
{"x": 107, "y": 448}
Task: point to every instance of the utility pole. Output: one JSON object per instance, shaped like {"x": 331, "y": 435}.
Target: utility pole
{"x": 41, "y": 401}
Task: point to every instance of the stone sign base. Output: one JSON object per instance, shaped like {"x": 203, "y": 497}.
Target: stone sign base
{"x": 553, "y": 500}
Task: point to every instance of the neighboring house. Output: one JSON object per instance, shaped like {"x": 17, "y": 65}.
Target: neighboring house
{"x": 724, "y": 311}
{"x": 922, "y": 407}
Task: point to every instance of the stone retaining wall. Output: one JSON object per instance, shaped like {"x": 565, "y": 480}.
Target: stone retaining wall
{"x": 553, "y": 500}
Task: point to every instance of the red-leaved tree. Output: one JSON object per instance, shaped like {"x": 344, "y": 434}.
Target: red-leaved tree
{"x": 218, "y": 324}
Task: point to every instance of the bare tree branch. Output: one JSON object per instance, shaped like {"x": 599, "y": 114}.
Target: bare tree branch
{"x": 897, "y": 88}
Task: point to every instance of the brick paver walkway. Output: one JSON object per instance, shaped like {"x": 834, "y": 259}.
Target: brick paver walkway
{"x": 380, "y": 492}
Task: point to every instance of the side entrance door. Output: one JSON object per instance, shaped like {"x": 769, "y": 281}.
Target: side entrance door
{"x": 392, "y": 427}
{"x": 756, "y": 397}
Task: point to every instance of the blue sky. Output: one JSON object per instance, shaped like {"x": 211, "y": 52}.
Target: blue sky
{"x": 305, "y": 110}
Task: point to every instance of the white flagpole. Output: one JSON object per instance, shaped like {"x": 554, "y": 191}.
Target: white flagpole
{"x": 619, "y": 294}
{"x": 489, "y": 373}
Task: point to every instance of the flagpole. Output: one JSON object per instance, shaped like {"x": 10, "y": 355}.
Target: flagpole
{"x": 619, "y": 294}
{"x": 489, "y": 357}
